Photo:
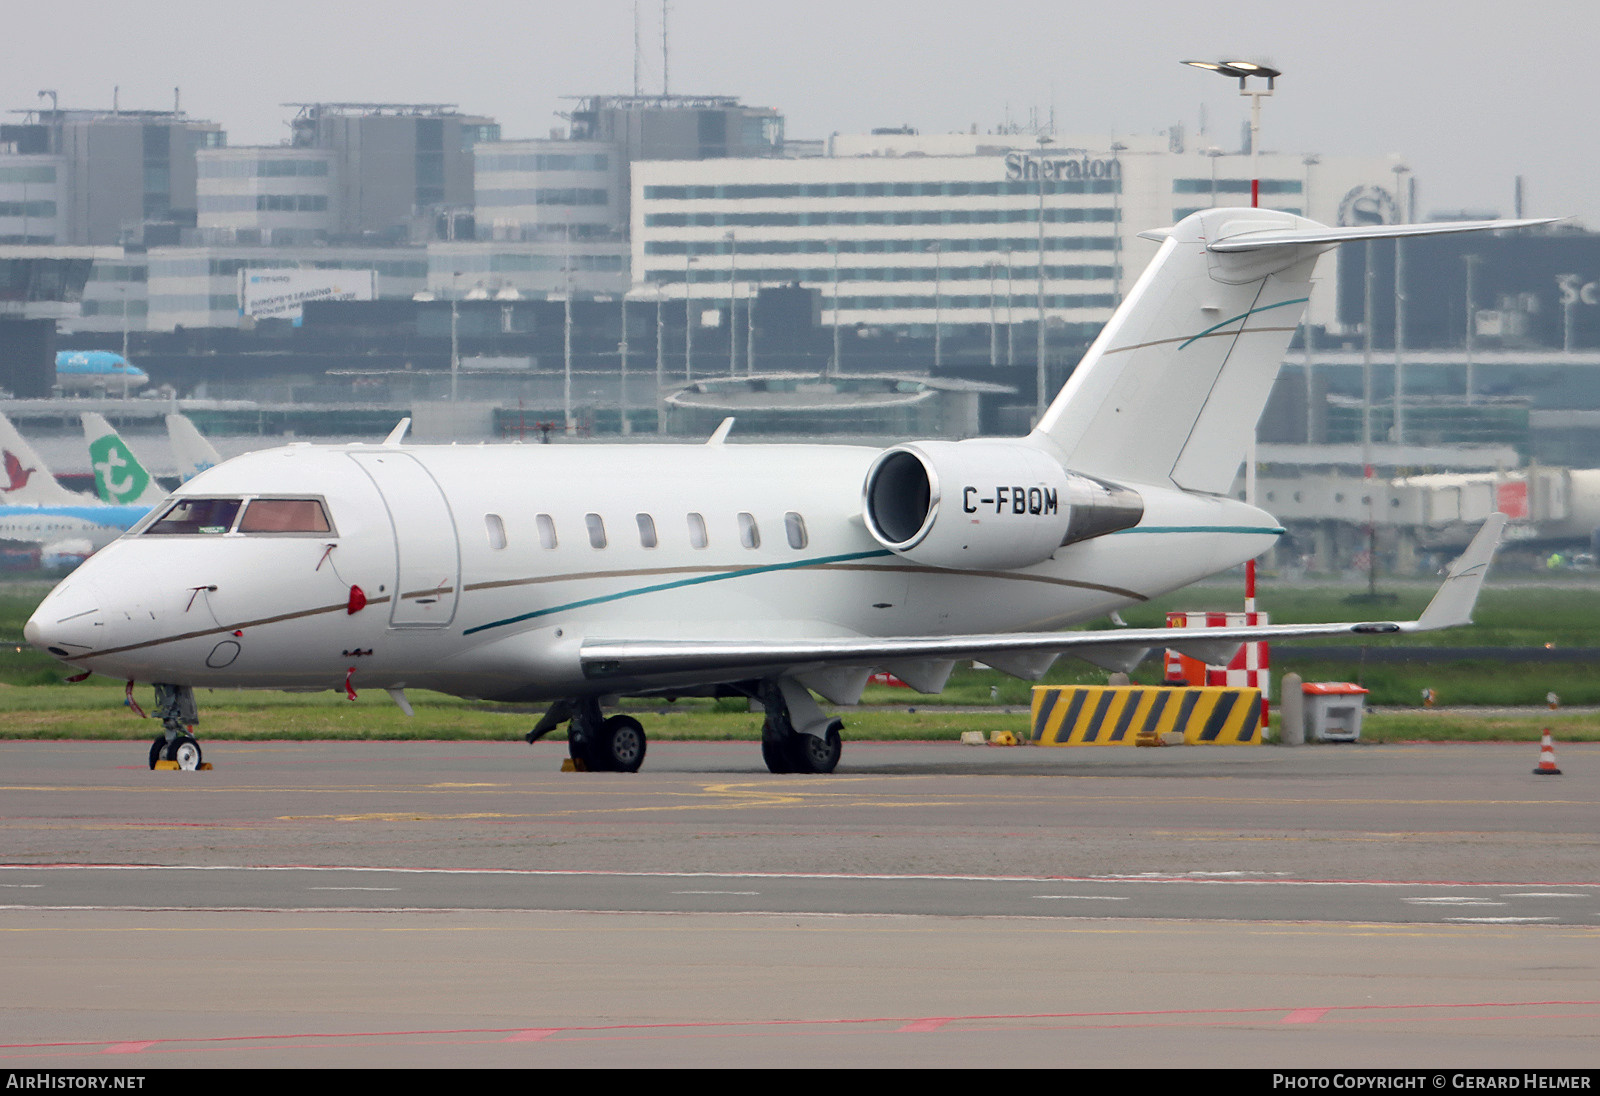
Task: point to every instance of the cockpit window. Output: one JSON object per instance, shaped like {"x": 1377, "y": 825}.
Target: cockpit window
{"x": 284, "y": 516}
{"x": 192, "y": 516}
{"x": 196, "y": 516}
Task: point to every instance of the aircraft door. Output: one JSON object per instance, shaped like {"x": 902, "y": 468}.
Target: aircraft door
{"x": 428, "y": 569}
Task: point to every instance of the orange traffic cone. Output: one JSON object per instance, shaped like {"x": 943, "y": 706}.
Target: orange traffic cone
{"x": 1547, "y": 757}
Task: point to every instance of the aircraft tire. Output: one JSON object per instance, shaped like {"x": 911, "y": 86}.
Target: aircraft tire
{"x": 185, "y": 750}
{"x": 155, "y": 749}
{"x": 621, "y": 746}
{"x": 810, "y": 754}
{"x": 776, "y": 755}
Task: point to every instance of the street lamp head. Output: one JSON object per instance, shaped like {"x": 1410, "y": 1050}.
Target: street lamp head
{"x": 1239, "y": 70}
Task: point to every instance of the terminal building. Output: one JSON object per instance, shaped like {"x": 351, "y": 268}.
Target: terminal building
{"x": 962, "y": 231}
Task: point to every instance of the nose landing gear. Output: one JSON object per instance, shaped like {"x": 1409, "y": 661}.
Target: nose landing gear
{"x": 176, "y": 747}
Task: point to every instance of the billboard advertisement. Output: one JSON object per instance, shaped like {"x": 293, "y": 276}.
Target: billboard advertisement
{"x": 278, "y": 294}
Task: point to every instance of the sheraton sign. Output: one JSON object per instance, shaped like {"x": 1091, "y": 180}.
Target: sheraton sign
{"x": 1020, "y": 165}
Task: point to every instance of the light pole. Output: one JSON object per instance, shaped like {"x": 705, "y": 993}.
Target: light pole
{"x": 622, "y": 354}
{"x": 733, "y": 328}
{"x": 661, "y": 362}
{"x": 1011, "y": 320}
{"x": 455, "y": 344}
{"x": 1243, "y": 70}
{"x": 688, "y": 315}
{"x": 570, "y": 424}
{"x": 1472, "y": 262}
{"x": 1116, "y": 221}
{"x": 1039, "y": 377}
{"x": 1400, "y": 170}
{"x": 833, "y": 363}
{"x": 994, "y": 320}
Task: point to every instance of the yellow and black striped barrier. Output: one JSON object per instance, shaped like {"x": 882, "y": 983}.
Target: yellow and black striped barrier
{"x": 1125, "y": 715}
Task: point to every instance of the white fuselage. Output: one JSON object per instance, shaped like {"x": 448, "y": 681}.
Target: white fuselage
{"x": 465, "y": 593}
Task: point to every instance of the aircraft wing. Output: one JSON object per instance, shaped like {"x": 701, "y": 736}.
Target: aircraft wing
{"x": 1027, "y": 654}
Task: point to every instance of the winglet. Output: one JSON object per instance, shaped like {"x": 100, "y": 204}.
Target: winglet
{"x": 398, "y": 433}
{"x": 720, "y": 434}
{"x": 1452, "y": 605}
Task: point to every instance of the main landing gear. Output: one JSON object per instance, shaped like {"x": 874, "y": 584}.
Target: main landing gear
{"x": 176, "y": 709}
{"x": 614, "y": 745}
{"x": 797, "y": 736}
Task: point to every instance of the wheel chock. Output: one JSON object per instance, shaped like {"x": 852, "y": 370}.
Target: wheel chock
{"x": 572, "y": 765}
{"x": 972, "y": 738}
{"x": 173, "y": 766}
{"x": 1003, "y": 738}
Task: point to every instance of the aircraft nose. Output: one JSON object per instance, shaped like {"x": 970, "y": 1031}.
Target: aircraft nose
{"x": 68, "y": 622}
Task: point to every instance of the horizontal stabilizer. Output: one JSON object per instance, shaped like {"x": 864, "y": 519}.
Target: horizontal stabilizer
{"x": 1253, "y": 240}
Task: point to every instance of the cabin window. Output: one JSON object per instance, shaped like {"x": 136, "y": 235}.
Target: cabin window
{"x": 749, "y": 535}
{"x": 647, "y": 530}
{"x": 697, "y": 532}
{"x": 794, "y": 526}
{"x": 597, "y": 530}
{"x": 206, "y": 516}
{"x": 547, "y": 530}
{"x": 284, "y": 516}
{"x": 496, "y": 530}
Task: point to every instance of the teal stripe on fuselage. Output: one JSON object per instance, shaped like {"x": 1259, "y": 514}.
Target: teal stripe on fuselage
{"x": 746, "y": 572}
{"x": 743, "y": 572}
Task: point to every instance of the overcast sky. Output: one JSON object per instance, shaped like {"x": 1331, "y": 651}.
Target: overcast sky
{"x": 1468, "y": 93}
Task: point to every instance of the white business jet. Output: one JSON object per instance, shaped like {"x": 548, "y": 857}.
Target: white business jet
{"x": 575, "y": 574}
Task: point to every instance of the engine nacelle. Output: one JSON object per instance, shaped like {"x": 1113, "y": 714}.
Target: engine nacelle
{"x": 986, "y": 505}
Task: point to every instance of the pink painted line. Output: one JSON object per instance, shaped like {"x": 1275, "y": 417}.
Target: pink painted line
{"x": 918, "y": 877}
{"x": 1343, "y": 1013}
{"x": 1305, "y": 1016}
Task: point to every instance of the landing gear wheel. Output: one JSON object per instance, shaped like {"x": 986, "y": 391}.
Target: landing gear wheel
{"x": 185, "y": 751}
{"x": 621, "y": 745}
{"x": 578, "y": 750}
{"x": 155, "y": 749}
{"x": 775, "y": 754}
{"x": 811, "y": 754}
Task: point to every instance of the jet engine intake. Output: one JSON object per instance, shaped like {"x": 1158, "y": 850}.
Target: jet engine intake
{"x": 987, "y": 505}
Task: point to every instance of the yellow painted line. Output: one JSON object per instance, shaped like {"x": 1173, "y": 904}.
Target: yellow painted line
{"x": 393, "y": 816}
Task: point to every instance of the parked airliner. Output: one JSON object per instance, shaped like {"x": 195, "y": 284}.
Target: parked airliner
{"x": 97, "y": 371}
{"x": 573, "y": 574}
{"x": 36, "y": 510}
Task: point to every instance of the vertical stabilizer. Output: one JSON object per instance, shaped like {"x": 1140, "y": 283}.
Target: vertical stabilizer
{"x": 24, "y": 479}
{"x": 120, "y": 478}
{"x": 193, "y": 452}
{"x": 1171, "y": 390}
